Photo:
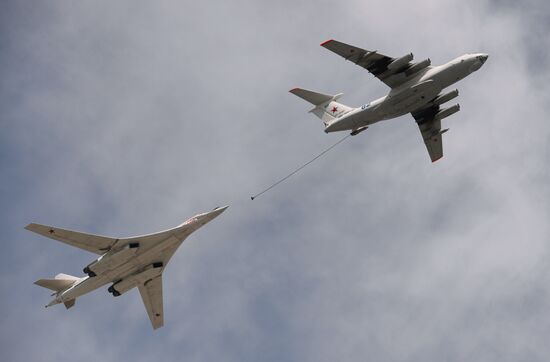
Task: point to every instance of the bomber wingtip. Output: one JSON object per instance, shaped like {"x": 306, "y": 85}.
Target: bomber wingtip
{"x": 326, "y": 42}
{"x": 437, "y": 159}
{"x": 294, "y": 89}
{"x": 30, "y": 226}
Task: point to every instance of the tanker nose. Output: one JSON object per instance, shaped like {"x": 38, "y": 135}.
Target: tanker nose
{"x": 483, "y": 58}
{"x": 477, "y": 61}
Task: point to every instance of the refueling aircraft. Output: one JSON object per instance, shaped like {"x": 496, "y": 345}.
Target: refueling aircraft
{"x": 415, "y": 88}
{"x": 125, "y": 263}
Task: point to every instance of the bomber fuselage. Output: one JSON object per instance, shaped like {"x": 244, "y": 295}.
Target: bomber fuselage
{"x": 147, "y": 256}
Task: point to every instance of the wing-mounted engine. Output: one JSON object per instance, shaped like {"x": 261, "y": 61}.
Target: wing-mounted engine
{"x": 394, "y": 73}
{"x": 415, "y": 68}
{"x": 401, "y": 62}
{"x": 124, "y": 285}
{"x": 446, "y": 112}
{"x": 111, "y": 259}
{"x": 433, "y": 111}
{"x": 445, "y": 97}
{"x": 401, "y": 69}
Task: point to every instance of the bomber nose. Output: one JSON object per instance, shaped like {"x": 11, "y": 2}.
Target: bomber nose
{"x": 216, "y": 212}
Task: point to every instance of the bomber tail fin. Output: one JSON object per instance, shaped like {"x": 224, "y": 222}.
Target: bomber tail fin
{"x": 326, "y": 107}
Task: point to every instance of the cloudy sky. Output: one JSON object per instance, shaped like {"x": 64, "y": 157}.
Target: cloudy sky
{"x": 128, "y": 117}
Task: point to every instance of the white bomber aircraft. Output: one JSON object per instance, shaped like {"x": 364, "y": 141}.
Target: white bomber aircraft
{"x": 416, "y": 88}
{"x": 125, "y": 262}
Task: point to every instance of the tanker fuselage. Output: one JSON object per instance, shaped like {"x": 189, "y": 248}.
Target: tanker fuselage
{"x": 423, "y": 87}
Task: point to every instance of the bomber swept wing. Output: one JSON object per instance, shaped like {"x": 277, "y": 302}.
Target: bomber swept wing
{"x": 151, "y": 294}
{"x": 95, "y": 243}
{"x": 392, "y": 71}
{"x": 130, "y": 262}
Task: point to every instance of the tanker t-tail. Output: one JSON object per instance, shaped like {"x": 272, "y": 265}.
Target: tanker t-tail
{"x": 124, "y": 263}
{"x": 416, "y": 88}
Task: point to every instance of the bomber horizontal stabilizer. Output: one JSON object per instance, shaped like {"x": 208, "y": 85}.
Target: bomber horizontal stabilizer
{"x": 59, "y": 283}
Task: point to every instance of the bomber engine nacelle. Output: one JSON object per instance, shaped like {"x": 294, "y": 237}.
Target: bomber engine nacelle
{"x": 400, "y": 62}
{"x": 110, "y": 260}
{"x": 131, "y": 281}
{"x": 447, "y": 112}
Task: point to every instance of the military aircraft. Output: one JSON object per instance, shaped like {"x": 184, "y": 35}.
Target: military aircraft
{"x": 416, "y": 88}
{"x": 125, "y": 262}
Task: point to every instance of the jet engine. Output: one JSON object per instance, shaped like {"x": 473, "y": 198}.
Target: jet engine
{"x": 111, "y": 260}
{"x": 447, "y": 112}
{"x": 400, "y": 62}
{"x": 445, "y": 97}
{"x": 418, "y": 67}
{"x": 124, "y": 285}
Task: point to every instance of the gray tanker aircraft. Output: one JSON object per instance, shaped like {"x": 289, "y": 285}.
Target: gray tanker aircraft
{"x": 125, "y": 262}
{"x": 416, "y": 88}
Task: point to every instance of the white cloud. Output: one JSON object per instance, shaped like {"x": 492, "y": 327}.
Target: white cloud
{"x": 129, "y": 118}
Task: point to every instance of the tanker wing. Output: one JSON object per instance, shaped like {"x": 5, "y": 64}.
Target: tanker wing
{"x": 390, "y": 70}
{"x": 429, "y": 119}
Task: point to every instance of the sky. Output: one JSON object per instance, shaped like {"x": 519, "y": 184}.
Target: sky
{"x": 125, "y": 118}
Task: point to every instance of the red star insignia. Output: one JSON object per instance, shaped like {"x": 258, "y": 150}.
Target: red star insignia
{"x": 334, "y": 109}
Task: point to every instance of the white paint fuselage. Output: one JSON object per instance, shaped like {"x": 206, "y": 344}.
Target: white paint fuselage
{"x": 411, "y": 95}
{"x": 147, "y": 254}
{"x": 140, "y": 260}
